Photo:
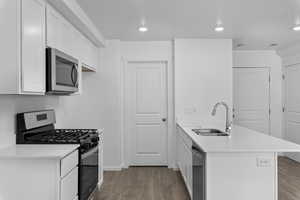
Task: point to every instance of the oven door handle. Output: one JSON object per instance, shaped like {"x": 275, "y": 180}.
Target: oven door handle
{"x": 90, "y": 152}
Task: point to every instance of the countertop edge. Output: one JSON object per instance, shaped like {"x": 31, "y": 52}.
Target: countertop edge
{"x": 10, "y": 149}
{"x": 246, "y": 150}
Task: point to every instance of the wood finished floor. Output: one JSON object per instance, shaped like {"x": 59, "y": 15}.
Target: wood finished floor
{"x": 143, "y": 183}
{"x": 288, "y": 179}
{"x": 161, "y": 183}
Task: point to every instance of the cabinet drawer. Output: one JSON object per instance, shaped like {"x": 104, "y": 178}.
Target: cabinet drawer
{"x": 186, "y": 139}
{"x": 69, "y": 186}
{"x": 68, "y": 163}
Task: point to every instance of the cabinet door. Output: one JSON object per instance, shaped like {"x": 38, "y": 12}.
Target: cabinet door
{"x": 179, "y": 152}
{"x": 54, "y": 32}
{"x": 184, "y": 159}
{"x": 69, "y": 185}
{"x": 57, "y": 30}
{"x": 95, "y": 56}
{"x": 68, "y": 37}
{"x": 90, "y": 54}
{"x": 189, "y": 170}
{"x": 33, "y": 46}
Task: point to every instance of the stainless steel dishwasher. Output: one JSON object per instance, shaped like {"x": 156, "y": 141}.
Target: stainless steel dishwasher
{"x": 199, "y": 175}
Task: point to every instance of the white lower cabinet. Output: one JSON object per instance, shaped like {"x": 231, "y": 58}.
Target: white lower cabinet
{"x": 184, "y": 158}
{"x": 69, "y": 185}
{"x": 39, "y": 178}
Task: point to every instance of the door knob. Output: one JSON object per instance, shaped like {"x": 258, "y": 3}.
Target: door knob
{"x": 164, "y": 119}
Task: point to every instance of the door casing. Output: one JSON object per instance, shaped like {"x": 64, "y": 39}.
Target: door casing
{"x": 171, "y": 136}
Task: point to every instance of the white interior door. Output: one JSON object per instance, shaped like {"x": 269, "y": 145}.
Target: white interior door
{"x": 251, "y": 98}
{"x": 146, "y": 111}
{"x": 292, "y": 101}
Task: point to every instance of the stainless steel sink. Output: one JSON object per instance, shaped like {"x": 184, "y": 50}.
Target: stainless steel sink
{"x": 209, "y": 132}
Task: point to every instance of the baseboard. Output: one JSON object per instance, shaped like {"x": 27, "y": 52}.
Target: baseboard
{"x": 112, "y": 168}
{"x": 119, "y": 168}
{"x": 281, "y": 154}
{"x": 100, "y": 183}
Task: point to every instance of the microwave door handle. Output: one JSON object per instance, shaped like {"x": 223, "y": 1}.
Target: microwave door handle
{"x": 72, "y": 75}
{"x": 76, "y": 75}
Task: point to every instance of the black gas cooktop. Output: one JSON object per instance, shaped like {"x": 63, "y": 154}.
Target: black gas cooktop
{"x": 38, "y": 128}
{"x": 72, "y": 136}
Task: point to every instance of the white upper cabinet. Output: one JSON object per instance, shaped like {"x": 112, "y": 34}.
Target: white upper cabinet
{"x": 22, "y": 49}
{"x": 27, "y": 28}
{"x": 89, "y": 54}
{"x": 54, "y": 32}
{"x": 33, "y": 46}
{"x": 62, "y": 35}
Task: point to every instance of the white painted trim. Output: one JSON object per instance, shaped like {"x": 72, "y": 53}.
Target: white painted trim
{"x": 291, "y": 60}
{"x": 122, "y": 117}
{"x": 113, "y": 168}
{"x": 257, "y": 51}
{"x": 100, "y": 183}
{"x": 170, "y": 111}
{"x": 284, "y": 69}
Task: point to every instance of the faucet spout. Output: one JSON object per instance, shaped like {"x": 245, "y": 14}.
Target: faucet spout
{"x": 213, "y": 113}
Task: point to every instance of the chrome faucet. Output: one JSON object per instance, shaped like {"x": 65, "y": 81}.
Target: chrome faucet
{"x": 213, "y": 113}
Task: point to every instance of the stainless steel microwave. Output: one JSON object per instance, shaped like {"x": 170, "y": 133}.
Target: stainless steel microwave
{"x": 61, "y": 73}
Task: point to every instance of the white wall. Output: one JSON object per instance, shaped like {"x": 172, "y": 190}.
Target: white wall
{"x": 273, "y": 61}
{"x": 203, "y": 77}
{"x": 99, "y": 105}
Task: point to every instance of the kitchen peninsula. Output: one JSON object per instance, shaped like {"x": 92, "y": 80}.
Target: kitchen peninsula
{"x": 242, "y": 166}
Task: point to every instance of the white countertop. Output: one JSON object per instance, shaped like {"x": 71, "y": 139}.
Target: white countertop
{"x": 43, "y": 151}
{"x": 241, "y": 140}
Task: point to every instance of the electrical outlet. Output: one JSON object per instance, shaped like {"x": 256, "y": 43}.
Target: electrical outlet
{"x": 264, "y": 162}
{"x": 190, "y": 110}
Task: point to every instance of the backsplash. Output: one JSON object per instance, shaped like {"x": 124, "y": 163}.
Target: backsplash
{"x": 12, "y": 104}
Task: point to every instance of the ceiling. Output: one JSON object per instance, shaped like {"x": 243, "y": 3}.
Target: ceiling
{"x": 254, "y": 23}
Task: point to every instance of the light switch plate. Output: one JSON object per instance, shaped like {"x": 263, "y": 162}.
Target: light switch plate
{"x": 264, "y": 162}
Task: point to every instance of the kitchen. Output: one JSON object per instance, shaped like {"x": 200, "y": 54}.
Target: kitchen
{"x": 144, "y": 75}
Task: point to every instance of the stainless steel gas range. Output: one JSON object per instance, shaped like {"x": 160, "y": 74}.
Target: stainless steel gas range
{"x": 38, "y": 128}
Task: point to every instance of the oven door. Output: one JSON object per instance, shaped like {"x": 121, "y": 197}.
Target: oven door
{"x": 62, "y": 72}
{"x": 88, "y": 173}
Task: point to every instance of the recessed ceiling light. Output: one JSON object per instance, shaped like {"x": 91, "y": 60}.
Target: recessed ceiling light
{"x": 219, "y": 28}
{"x": 296, "y": 27}
{"x": 143, "y": 29}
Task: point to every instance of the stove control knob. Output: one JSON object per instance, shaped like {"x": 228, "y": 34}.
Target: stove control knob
{"x": 95, "y": 139}
{"x": 85, "y": 146}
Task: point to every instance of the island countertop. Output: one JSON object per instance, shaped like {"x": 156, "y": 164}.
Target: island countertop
{"x": 241, "y": 140}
